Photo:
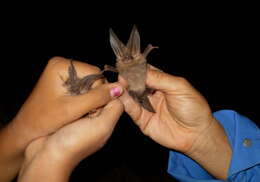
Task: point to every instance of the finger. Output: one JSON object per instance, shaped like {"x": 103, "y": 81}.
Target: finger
{"x": 100, "y": 128}
{"x": 130, "y": 106}
{"x": 122, "y": 81}
{"x": 110, "y": 114}
{"x": 138, "y": 114}
{"x": 165, "y": 82}
{"x": 95, "y": 98}
{"x": 92, "y": 133}
{"x": 108, "y": 118}
{"x": 154, "y": 68}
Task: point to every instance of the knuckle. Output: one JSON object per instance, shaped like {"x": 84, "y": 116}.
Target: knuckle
{"x": 57, "y": 63}
{"x": 85, "y": 68}
{"x": 181, "y": 80}
{"x": 61, "y": 63}
{"x": 158, "y": 75}
{"x": 95, "y": 69}
{"x": 57, "y": 60}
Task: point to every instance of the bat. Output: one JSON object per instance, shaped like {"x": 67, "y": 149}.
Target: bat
{"x": 131, "y": 64}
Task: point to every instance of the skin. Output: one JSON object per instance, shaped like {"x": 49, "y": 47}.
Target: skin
{"x": 48, "y": 108}
{"x": 58, "y": 154}
{"x": 183, "y": 122}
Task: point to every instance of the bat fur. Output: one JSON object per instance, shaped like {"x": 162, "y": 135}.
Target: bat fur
{"x": 132, "y": 66}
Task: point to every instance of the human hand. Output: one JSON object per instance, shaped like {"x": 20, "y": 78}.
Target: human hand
{"x": 182, "y": 113}
{"x": 60, "y": 152}
{"x": 183, "y": 121}
{"x": 50, "y": 106}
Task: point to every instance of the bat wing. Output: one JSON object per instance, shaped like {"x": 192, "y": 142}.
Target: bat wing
{"x": 75, "y": 85}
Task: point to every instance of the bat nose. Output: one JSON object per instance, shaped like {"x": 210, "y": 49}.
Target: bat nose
{"x": 128, "y": 57}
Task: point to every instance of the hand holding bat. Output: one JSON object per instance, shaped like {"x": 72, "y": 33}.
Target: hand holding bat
{"x": 182, "y": 121}
{"x": 181, "y": 113}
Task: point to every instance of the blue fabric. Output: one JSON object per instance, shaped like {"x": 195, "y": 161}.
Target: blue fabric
{"x": 245, "y": 162}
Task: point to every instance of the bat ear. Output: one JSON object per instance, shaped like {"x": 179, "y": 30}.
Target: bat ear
{"x": 133, "y": 44}
{"x": 117, "y": 46}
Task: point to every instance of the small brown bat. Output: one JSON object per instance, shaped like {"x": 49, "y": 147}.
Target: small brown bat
{"x": 132, "y": 66}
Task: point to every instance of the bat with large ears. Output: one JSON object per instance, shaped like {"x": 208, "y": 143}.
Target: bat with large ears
{"x": 132, "y": 66}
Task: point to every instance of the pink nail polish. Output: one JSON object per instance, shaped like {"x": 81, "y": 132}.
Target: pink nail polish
{"x": 115, "y": 92}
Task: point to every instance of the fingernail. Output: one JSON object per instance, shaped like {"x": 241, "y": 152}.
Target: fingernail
{"x": 115, "y": 92}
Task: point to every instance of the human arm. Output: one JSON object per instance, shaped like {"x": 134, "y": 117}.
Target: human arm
{"x": 244, "y": 138}
{"x": 183, "y": 122}
{"x": 48, "y": 108}
{"x": 57, "y": 155}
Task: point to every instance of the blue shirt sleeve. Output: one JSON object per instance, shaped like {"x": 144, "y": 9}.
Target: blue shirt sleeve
{"x": 244, "y": 138}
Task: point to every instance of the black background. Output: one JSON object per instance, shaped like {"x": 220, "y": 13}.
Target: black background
{"x": 216, "y": 50}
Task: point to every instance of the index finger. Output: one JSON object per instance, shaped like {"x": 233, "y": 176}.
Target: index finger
{"x": 165, "y": 82}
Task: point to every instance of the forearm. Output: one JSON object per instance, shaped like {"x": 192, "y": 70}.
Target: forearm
{"x": 12, "y": 145}
{"x": 212, "y": 151}
{"x": 9, "y": 166}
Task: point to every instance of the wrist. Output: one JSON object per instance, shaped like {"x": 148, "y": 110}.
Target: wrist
{"x": 212, "y": 150}
{"x": 44, "y": 164}
{"x": 16, "y": 137}
{"x": 12, "y": 153}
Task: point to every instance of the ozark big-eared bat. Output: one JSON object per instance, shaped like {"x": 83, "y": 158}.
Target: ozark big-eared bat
{"x": 132, "y": 66}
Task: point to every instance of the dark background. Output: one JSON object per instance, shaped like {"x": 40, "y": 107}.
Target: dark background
{"x": 218, "y": 52}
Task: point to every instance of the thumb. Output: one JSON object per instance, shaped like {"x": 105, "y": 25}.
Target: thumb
{"x": 110, "y": 115}
{"x": 95, "y": 98}
{"x": 164, "y": 82}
